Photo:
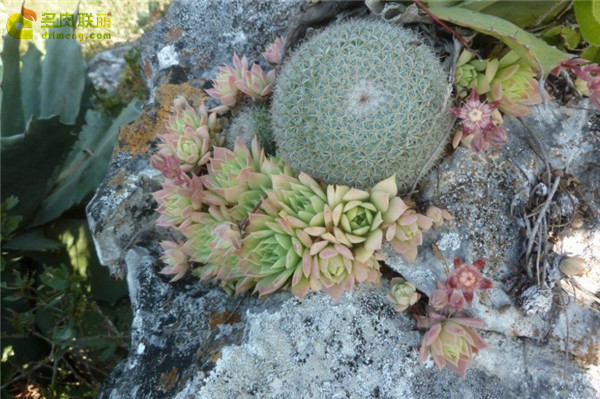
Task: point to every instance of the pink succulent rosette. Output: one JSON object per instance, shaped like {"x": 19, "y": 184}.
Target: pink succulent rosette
{"x": 468, "y": 278}
{"x": 273, "y": 53}
{"x": 477, "y": 122}
{"x": 451, "y": 341}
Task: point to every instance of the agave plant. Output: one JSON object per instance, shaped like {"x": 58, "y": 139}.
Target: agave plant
{"x": 451, "y": 341}
{"x": 403, "y": 294}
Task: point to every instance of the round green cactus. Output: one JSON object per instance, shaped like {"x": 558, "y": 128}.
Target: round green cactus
{"x": 359, "y": 102}
{"x": 251, "y": 122}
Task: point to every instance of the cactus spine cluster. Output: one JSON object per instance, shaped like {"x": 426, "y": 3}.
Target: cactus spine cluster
{"x": 359, "y": 102}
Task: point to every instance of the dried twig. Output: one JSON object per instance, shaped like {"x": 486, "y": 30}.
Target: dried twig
{"x": 244, "y": 223}
{"x": 442, "y": 23}
{"x": 538, "y": 222}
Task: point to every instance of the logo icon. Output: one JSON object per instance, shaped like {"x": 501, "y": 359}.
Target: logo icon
{"x": 20, "y": 26}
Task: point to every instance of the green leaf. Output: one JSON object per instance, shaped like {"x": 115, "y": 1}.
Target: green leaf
{"x": 32, "y": 240}
{"x": 9, "y": 203}
{"x": 536, "y": 52}
{"x": 31, "y": 161}
{"x": 31, "y": 80}
{"x": 520, "y": 13}
{"x": 562, "y": 36}
{"x": 87, "y": 164}
{"x": 56, "y": 278}
{"x": 588, "y": 17}
{"x": 592, "y": 54}
{"x": 12, "y": 120}
{"x": 63, "y": 334}
{"x": 12, "y": 298}
{"x": 109, "y": 350}
{"x": 63, "y": 77}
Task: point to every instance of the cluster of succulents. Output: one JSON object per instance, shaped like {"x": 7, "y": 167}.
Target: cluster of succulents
{"x": 509, "y": 85}
{"x": 451, "y": 338}
{"x": 251, "y": 223}
{"x": 359, "y": 102}
{"x": 478, "y": 128}
{"x": 587, "y": 77}
{"x": 310, "y": 237}
{"x": 510, "y": 80}
{"x": 235, "y": 80}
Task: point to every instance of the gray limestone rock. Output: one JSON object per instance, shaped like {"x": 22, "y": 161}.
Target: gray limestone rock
{"x": 178, "y": 329}
{"x": 358, "y": 347}
{"x": 195, "y": 37}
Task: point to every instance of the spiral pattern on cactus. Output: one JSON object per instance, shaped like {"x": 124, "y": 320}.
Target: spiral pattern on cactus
{"x": 358, "y": 102}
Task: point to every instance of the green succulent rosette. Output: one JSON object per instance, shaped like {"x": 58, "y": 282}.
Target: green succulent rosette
{"x": 276, "y": 249}
{"x": 239, "y": 179}
{"x": 355, "y": 218}
{"x": 514, "y": 84}
{"x": 214, "y": 241}
{"x": 179, "y": 202}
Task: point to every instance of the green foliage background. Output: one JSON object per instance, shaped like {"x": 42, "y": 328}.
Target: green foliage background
{"x": 65, "y": 321}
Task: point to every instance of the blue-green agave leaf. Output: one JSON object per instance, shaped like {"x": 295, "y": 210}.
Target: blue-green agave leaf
{"x": 12, "y": 120}
{"x": 31, "y": 162}
{"x": 87, "y": 164}
{"x": 541, "y": 56}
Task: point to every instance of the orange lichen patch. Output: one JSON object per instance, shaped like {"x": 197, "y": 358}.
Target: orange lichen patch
{"x": 216, "y": 356}
{"x": 147, "y": 68}
{"x": 223, "y": 318}
{"x": 167, "y": 381}
{"x": 166, "y": 93}
{"x": 173, "y": 34}
{"x": 119, "y": 178}
{"x": 136, "y": 137}
{"x": 588, "y": 356}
